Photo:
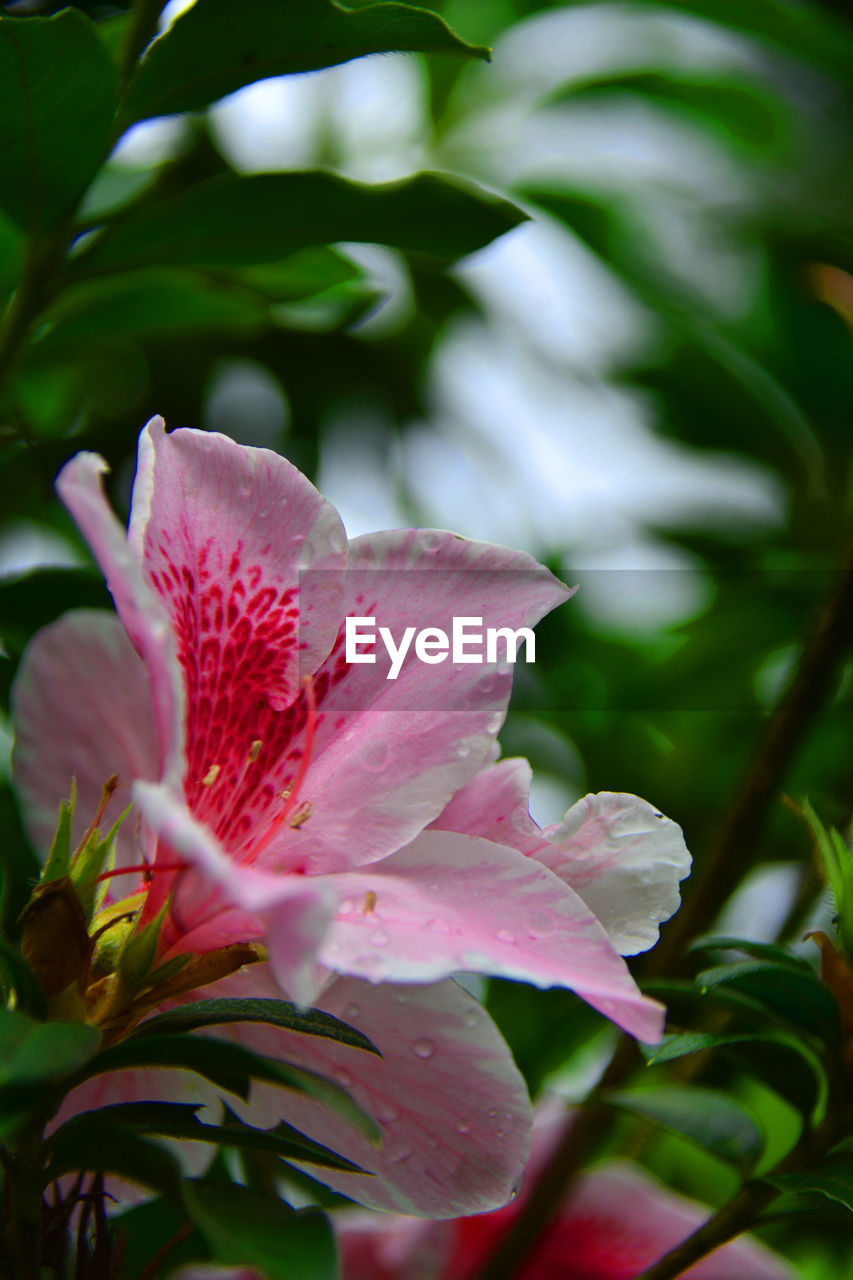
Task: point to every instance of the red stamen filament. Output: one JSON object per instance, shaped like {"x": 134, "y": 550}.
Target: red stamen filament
{"x": 292, "y": 793}
{"x": 144, "y": 868}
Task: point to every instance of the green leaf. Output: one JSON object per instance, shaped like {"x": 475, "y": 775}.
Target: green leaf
{"x": 797, "y": 995}
{"x": 148, "y": 1228}
{"x": 241, "y": 221}
{"x": 36, "y": 1053}
{"x": 56, "y": 114}
{"x": 90, "y": 862}
{"x": 217, "y": 47}
{"x": 91, "y": 1143}
{"x": 739, "y": 108}
{"x": 770, "y": 951}
{"x": 711, "y": 1119}
{"x": 149, "y": 304}
{"x": 178, "y": 1120}
{"x": 244, "y": 1227}
{"x": 833, "y": 1180}
{"x": 277, "y": 1013}
{"x": 231, "y": 1067}
{"x": 783, "y": 1062}
{"x": 18, "y": 979}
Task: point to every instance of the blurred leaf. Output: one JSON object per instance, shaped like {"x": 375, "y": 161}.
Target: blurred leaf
{"x": 241, "y": 221}
{"x": 276, "y": 1013}
{"x": 798, "y": 995}
{"x": 19, "y": 869}
{"x": 146, "y": 1229}
{"x": 36, "y": 1052}
{"x": 833, "y": 1180}
{"x": 91, "y": 1143}
{"x": 38, "y": 597}
{"x": 784, "y": 1063}
{"x": 18, "y": 979}
{"x": 56, "y": 114}
{"x": 769, "y": 951}
{"x": 11, "y": 254}
{"x": 158, "y": 302}
{"x": 709, "y": 1118}
{"x": 740, "y": 108}
{"x": 246, "y": 1228}
{"x": 216, "y": 47}
{"x": 801, "y": 29}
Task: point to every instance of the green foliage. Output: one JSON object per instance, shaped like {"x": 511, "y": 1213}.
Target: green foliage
{"x": 710, "y": 1118}
{"x": 55, "y": 128}
{"x": 213, "y": 48}
{"x": 276, "y": 1013}
{"x": 234, "y": 221}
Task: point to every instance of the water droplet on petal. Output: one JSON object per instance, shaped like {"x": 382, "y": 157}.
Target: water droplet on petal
{"x": 504, "y": 935}
{"x": 423, "y": 1047}
{"x": 379, "y": 938}
{"x": 385, "y": 1113}
{"x": 352, "y": 1011}
{"x": 343, "y": 1078}
{"x": 463, "y": 1128}
{"x": 346, "y": 907}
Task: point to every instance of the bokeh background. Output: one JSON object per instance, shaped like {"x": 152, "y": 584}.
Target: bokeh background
{"x": 648, "y": 385}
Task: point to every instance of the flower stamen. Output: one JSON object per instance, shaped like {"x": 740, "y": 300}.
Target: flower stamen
{"x": 291, "y": 793}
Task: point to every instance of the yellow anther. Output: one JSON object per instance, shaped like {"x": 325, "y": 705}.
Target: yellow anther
{"x": 255, "y": 749}
{"x": 369, "y": 902}
{"x": 211, "y": 775}
{"x": 302, "y": 813}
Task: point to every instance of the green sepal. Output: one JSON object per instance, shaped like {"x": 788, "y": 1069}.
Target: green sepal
{"x": 137, "y": 955}
{"x": 93, "y": 859}
{"x": 59, "y": 859}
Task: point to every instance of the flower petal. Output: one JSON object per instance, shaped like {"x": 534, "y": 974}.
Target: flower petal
{"x": 452, "y": 1108}
{"x": 217, "y": 902}
{"x": 146, "y": 622}
{"x": 81, "y": 704}
{"x": 224, "y": 533}
{"x": 388, "y": 753}
{"x": 625, "y": 859}
{"x": 450, "y": 903}
{"x": 618, "y": 853}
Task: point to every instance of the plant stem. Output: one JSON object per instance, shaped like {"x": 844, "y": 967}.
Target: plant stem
{"x": 23, "y": 1228}
{"x": 141, "y": 30}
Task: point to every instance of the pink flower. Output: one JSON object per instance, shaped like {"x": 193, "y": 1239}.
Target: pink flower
{"x": 616, "y": 1223}
{"x": 350, "y": 823}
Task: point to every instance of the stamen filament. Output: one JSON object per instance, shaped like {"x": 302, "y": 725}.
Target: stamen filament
{"x": 291, "y": 795}
{"x": 144, "y": 868}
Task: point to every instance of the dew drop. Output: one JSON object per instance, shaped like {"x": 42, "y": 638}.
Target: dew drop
{"x": 492, "y": 1112}
{"x": 463, "y": 1128}
{"x": 385, "y": 1113}
{"x": 346, "y": 907}
{"x": 423, "y": 1047}
{"x": 504, "y": 935}
{"x": 379, "y": 938}
{"x": 352, "y": 1010}
{"x": 343, "y": 1078}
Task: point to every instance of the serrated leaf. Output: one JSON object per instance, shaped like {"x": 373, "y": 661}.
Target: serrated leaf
{"x": 88, "y": 1142}
{"x": 242, "y": 221}
{"x": 713, "y": 1120}
{"x": 276, "y": 1013}
{"x": 56, "y": 114}
{"x": 231, "y": 1067}
{"x": 244, "y": 1227}
{"x": 216, "y": 47}
{"x": 178, "y": 1120}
